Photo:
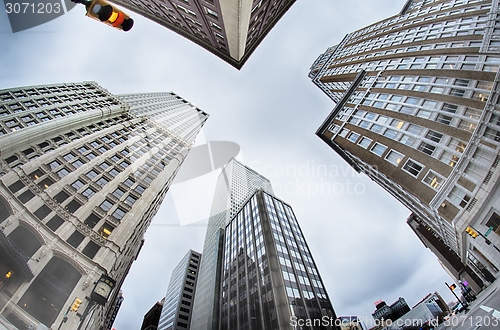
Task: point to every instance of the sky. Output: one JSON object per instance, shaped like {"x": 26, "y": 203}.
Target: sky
{"x": 357, "y": 232}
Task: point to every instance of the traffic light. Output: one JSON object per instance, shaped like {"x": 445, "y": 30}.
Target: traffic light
{"x": 109, "y": 14}
{"x": 76, "y": 305}
{"x": 453, "y": 286}
{"x": 471, "y": 232}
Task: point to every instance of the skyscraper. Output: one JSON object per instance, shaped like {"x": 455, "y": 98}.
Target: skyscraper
{"x": 417, "y": 110}
{"x": 82, "y": 173}
{"x": 228, "y": 29}
{"x": 178, "y": 305}
{"x": 152, "y": 317}
{"x": 270, "y": 280}
{"x": 234, "y": 186}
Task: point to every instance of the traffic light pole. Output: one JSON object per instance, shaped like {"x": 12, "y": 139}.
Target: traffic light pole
{"x": 90, "y": 305}
{"x": 65, "y": 318}
{"x": 486, "y": 240}
{"x": 460, "y": 301}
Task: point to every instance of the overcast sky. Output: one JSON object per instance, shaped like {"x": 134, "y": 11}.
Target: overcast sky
{"x": 356, "y": 231}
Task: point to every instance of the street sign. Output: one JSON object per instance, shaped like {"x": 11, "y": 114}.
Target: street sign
{"x": 488, "y": 231}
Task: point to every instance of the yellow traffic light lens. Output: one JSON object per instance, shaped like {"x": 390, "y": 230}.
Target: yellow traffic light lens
{"x": 114, "y": 16}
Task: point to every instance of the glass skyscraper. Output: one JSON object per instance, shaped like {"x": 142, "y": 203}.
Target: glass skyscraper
{"x": 82, "y": 174}
{"x": 234, "y": 186}
{"x": 177, "y": 307}
{"x": 417, "y": 109}
{"x": 269, "y": 278}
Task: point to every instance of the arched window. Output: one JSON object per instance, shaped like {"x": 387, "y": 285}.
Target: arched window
{"x": 48, "y": 293}
{"x": 4, "y": 209}
{"x": 25, "y": 240}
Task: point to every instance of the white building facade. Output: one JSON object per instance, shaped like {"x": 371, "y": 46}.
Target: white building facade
{"x": 82, "y": 174}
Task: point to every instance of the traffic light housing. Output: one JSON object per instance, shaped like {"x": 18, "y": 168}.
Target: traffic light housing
{"x": 105, "y": 12}
{"x": 76, "y": 305}
{"x": 453, "y": 286}
{"x": 471, "y": 232}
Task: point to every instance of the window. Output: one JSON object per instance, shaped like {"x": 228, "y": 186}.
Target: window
{"x": 433, "y": 180}
{"x": 77, "y": 184}
{"x": 62, "y": 172}
{"x": 353, "y": 137}
{"x": 434, "y": 136}
{"x": 91, "y": 249}
{"x": 77, "y": 163}
{"x": 458, "y": 197}
{"x": 462, "y": 82}
{"x": 130, "y": 200}
{"x": 92, "y": 174}
{"x": 394, "y": 157}
{"x": 54, "y": 164}
{"x": 406, "y": 110}
{"x": 114, "y": 172}
{"x": 106, "y": 230}
{"x": 89, "y": 192}
{"x": 412, "y": 100}
{"x": 426, "y": 148}
{"x": 449, "y": 159}
{"x": 378, "y": 149}
{"x": 457, "y": 92}
{"x": 376, "y": 128}
{"x": 118, "y": 193}
{"x": 61, "y": 197}
{"x": 83, "y": 149}
{"x": 391, "y": 134}
{"x": 414, "y": 129}
{"x": 450, "y": 108}
{"x": 119, "y": 213}
{"x": 73, "y": 206}
{"x": 412, "y": 167}
{"x": 69, "y": 156}
{"x": 75, "y": 239}
{"x": 424, "y": 114}
{"x": 343, "y": 132}
{"x": 102, "y": 181}
{"x": 129, "y": 182}
{"x": 140, "y": 189}
{"x": 494, "y": 222}
{"x": 212, "y": 13}
{"x": 104, "y": 166}
{"x": 55, "y": 223}
{"x": 42, "y": 212}
{"x": 92, "y": 220}
{"x": 364, "y": 142}
{"x": 106, "y": 205}
{"x": 443, "y": 119}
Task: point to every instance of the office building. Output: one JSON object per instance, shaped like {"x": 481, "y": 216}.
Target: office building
{"x": 152, "y": 317}
{"x": 229, "y": 29}
{"x": 392, "y": 312}
{"x": 435, "y": 298}
{"x": 234, "y": 186}
{"x": 269, "y": 279}
{"x": 178, "y": 305}
{"x": 82, "y": 174}
{"x": 417, "y": 110}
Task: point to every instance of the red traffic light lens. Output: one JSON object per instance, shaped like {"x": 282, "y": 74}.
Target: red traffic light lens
{"x": 118, "y": 20}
